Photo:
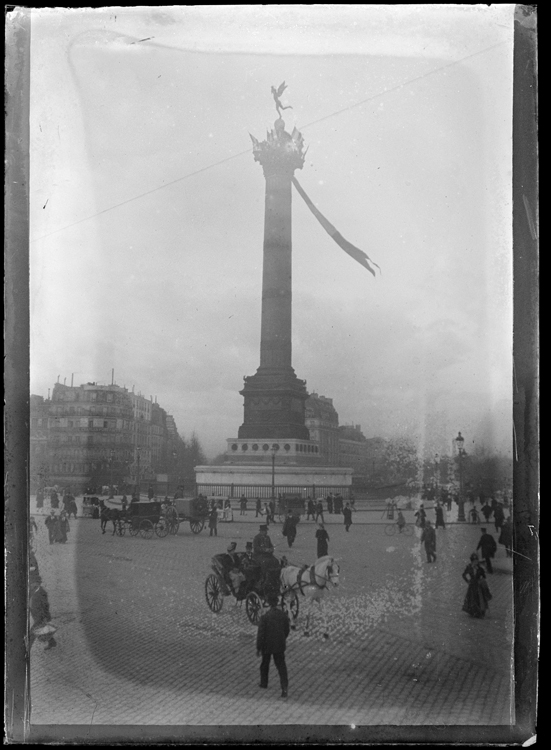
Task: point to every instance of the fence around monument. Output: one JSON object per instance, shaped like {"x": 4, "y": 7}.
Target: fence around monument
{"x": 264, "y": 492}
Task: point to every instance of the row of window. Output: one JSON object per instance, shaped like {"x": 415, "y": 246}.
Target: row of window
{"x": 95, "y": 410}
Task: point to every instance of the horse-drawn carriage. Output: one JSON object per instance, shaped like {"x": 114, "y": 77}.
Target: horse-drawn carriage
{"x": 141, "y": 517}
{"x": 290, "y": 502}
{"x": 237, "y": 574}
{"x": 192, "y": 509}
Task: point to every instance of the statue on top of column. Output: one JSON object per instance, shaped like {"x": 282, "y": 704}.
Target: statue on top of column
{"x": 276, "y": 93}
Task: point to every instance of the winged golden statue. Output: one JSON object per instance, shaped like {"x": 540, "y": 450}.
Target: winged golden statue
{"x": 276, "y": 93}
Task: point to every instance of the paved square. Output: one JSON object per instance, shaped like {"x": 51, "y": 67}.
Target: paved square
{"x": 138, "y": 645}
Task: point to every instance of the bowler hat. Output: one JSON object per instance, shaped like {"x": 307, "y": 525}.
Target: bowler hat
{"x": 263, "y": 527}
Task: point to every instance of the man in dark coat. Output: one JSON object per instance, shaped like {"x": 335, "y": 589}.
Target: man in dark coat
{"x": 271, "y": 638}
{"x": 52, "y": 523}
{"x": 487, "y": 546}
{"x": 428, "y": 538}
{"x": 506, "y": 536}
{"x": 258, "y": 508}
{"x": 290, "y": 528}
{"x": 319, "y": 511}
{"x": 486, "y": 511}
{"x": 39, "y": 609}
{"x": 213, "y": 522}
{"x": 310, "y": 509}
{"x": 330, "y": 503}
{"x": 347, "y": 513}
{"x": 499, "y": 516}
{"x": 322, "y": 538}
{"x": 439, "y": 510}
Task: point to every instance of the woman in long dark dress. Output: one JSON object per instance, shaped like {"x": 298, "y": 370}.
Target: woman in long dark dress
{"x": 478, "y": 594}
{"x": 323, "y": 538}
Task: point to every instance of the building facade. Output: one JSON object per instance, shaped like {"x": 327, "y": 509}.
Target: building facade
{"x": 322, "y": 421}
{"x": 92, "y": 435}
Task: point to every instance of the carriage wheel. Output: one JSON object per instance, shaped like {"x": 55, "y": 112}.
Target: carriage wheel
{"x": 146, "y": 529}
{"x": 161, "y": 528}
{"x": 173, "y": 526}
{"x": 197, "y": 526}
{"x": 134, "y": 528}
{"x": 171, "y": 514}
{"x": 253, "y": 607}
{"x": 213, "y": 593}
{"x": 289, "y": 604}
{"x": 408, "y": 529}
{"x": 390, "y": 529}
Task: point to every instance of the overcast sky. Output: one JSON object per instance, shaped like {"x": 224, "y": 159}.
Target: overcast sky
{"x": 146, "y": 235}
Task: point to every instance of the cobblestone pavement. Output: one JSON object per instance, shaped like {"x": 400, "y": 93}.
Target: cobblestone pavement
{"x": 138, "y": 645}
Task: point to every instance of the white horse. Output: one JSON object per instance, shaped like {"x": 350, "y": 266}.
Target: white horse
{"x": 311, "y": 584}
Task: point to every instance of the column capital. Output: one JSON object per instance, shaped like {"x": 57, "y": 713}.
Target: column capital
{"x": 281, "y": 152}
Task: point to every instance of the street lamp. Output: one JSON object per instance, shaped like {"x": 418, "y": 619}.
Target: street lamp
{"x": 138, "y": 475}
{"x": 460, "y": 441}
{"x": 275, "y": 449}
{"x": 111, "y": 459}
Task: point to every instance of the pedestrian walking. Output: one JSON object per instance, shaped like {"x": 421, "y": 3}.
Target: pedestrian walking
{"x": 266, "y": 512}
{"x": 506, "y": 536}
{"x": 73, "y": 509}
{"x": 104, "y": 515}
{"x": 330, "y": 503}
{"x": 488, "y": 547}
{"x": 271, "y": 641}
{"x": 323, "y": 540}
{"x": 39, "y": 609}
{"x": 310, "y": 509}
{"x": 347, "y": 513}
{"x": 63, "y": 527}
{"x": 319, "y": 511}
{"x": 52, "y": 525}
{"x": 474, "y": 515}
{"x": 258, "y": 508}
{"x": 54, "y": 500}
{"x": 478, "y": 594}
{"x": 289, "y": 529}
{"x": 499, "y": 516}
{"x": 272, "y": 509}
{"x": 40, "y": 499}
{"x": 401, "y": 521}
{"x": 421, "y": 517}
{"x": 439, "y": 510}
{"x": 213, "y": 522}
{"x": 243, "y": 505}
{"x": 428, "y": 538}
{"x": 486, "y": 512}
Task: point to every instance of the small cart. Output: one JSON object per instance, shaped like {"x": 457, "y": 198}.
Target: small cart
{"x": 192, "y": 509}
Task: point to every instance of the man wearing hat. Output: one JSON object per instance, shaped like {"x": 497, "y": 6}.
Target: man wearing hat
{"x": 263, "y": 550}
{"x": 290, "y": 527}
{"x": 488, "y": 547}
{"x": 271, "y": 638}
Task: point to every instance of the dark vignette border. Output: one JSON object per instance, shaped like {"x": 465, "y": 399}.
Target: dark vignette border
{"x": 526, "y": 441}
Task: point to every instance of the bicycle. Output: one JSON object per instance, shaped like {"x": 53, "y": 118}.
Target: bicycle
{"x": 392, "y": 528}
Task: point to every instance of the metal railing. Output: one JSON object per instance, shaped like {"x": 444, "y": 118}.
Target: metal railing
{"x": 264, "y": 492}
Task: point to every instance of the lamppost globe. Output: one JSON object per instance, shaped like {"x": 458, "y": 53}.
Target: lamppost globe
{"x": 460, "y": 441}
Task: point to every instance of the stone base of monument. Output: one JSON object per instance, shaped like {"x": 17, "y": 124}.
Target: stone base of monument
{"x": 234, "y": 480}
